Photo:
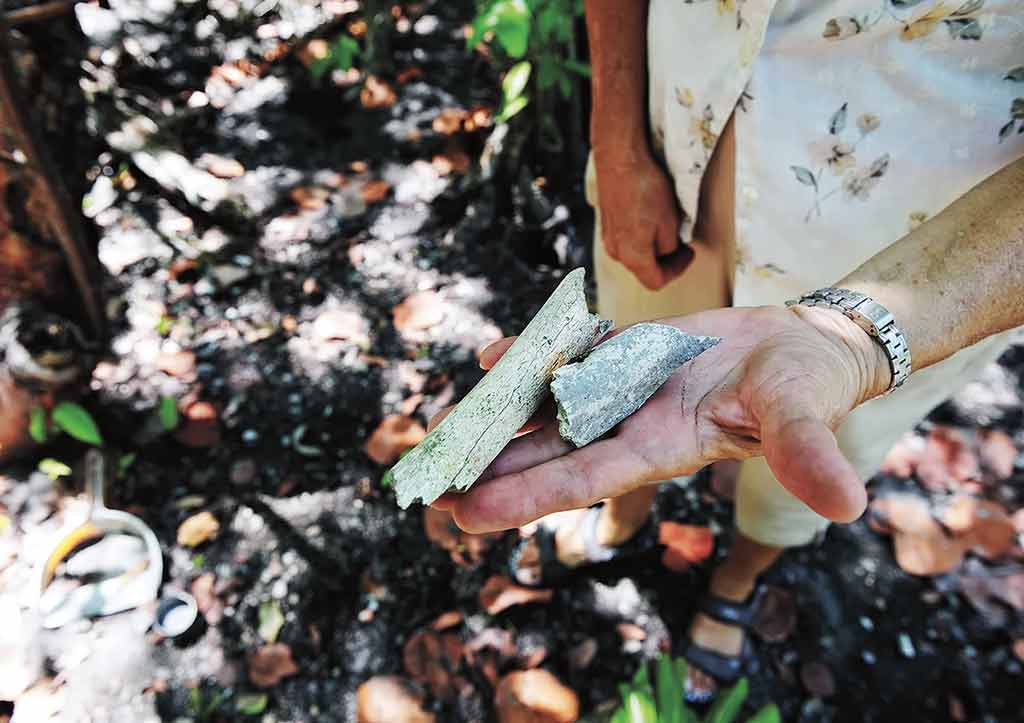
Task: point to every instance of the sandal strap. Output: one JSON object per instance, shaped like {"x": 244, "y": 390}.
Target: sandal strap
{"x": 730, "y": 612}
{"x": 723, "y": 668}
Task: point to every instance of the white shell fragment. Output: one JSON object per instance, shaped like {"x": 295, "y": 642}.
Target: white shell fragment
{"x": 459, "y": 449}
{"x": 618, "y": 376}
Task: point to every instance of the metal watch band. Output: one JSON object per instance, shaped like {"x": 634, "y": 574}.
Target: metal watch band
{"x": 873, "y": 318}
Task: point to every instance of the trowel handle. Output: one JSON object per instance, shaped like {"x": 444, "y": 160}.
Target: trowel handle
{"x": 95, "y": 478}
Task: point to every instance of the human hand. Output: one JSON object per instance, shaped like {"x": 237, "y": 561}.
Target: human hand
{"x": 778, "y": 385}
{"x": 640, "y": 219}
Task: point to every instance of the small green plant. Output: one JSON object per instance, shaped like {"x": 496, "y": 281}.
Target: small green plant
{"x": 341, "y": 55}
{"x": 663, "y": 702}
{"x": 533, "y": 40}
{"x": 203, "y": 708}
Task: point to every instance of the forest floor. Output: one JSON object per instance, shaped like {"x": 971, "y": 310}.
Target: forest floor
{"x": 308, "y": 266}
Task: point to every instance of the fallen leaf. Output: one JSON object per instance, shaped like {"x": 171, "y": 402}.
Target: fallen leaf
{"x": 377, "y": 94}
{"x": 432, "y": 658}
{"x": 535, "y": 696}
{"x": 395, "y": 434}
{"x": 270, "y": 664}
{"x": 903, "y": 458}
{"x": 340, "y": 324}
{"x": 209, "y": 605}
{"x": 310, "y": 198}
{"x": 314, "y": 50}
{"x": 998, "y": 452}
{"x": 921, "y": 545}
{"x": 410, "y": 404}
{"x": 684, "y": 545}
{"x": 947, "y": 460}
{"x": 177, "y": 363}
{"x": 957, "y": 712}
{"x": 775, "y": 618}
{"x": 500, "y": 593}
{"x": 407, "y": 75}
{"x": 419, "y": 311}
{"x": 479, "y": 117}
{"x": 449, "y": 121}
{"x": 631, "y": 631}
{"x": 818, "y": 679}
{"x": 375, "y": 191}
{"x": 991, "y": 532}
{"x": 447, "y": 620}
{"x": 197, "y": 529}
{"x": 496, "y": 640}
{"x": 200, "y": 426}
{"x": 390, "y": 699}
{"x": 220, "y": 166}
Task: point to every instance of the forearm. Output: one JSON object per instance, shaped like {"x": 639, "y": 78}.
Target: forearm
{"x": 617, "y": 33}
{"x": 959, "y": 277}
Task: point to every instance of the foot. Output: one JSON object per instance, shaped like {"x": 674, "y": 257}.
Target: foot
{"x": 570, "y": 545}
{"x": 716, "y": 636}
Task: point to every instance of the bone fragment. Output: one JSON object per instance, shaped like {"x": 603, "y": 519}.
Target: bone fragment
{"x": 618, "y": 376}
{"x": 459, "y": 449}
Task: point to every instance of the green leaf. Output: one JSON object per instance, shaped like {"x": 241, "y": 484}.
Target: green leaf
{"x": 768, "y": 714}
{"x": 565, "y": 85}
{"x": 54, "y": 469}
{"x": 515, "y": 80}
{"x": 621, "y": 715}
{"x": 511, "y": 109}
{"x": 642, "y": 680}
{"x": 126, "y": 461}
{"x": 509, "y": 20}
{"x": 640, "y": 707}
{"x": 727, "y": 705}
{"x": 168, "y": 413}
{"x": 271, "y": 620}
{"x": 251, "y": 703}
{"x": 577, "y": 67}
{"x": 37, "y": 424}
{"x": 668, "y": 689}
{"x": 78, "y": 423}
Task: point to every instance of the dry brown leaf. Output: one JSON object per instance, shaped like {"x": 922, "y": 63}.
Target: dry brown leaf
{"x": 375, "y": 191}
{"x": 818, "y": 679}
{"x": 582, "y": 654}
{"x": 411, "y": 403}
{"x": 922, "y": 547}
{"x": 203, "y": 590}
{"x": 465, "y": 548}
{"x": 449, "y": 121}
{"x": 535, "y": 696}
{"x": 314, "y": 50}
{"x": 395, "y": 434}
{"x": 177, "y": 363}
{"x": 419, "y": 311}
{"x": 447, "y": 620}
{"x": 197, "y": 529}
{"x": 631, "y": 631}
{"x": 500, "y": 593}
{"x": 991, "y": 533}
{"x": 200, "y": 426}
{"x": 775, "y": 619}
{"x": 684, "y": 544}
{"x": 432, "y": 658}
{"x": 903, "y": 458}
{"x": 390, "y": 699}
{"x": 998, "y": 452}
{"x": 220, "y": 166}
{"x": 947, "y": 460}
{"x": 270, "y": 664}
{"x": 310, "y": 198}
{"x": 377, "y": 93}
{"x": 479, "y": 117}
{"x": 407, "y": 75}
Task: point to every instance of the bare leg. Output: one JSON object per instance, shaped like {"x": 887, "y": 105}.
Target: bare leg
{"x": 733, "y": 580}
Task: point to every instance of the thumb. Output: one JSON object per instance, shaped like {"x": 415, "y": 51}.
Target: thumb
{"x": 802, "y": 452}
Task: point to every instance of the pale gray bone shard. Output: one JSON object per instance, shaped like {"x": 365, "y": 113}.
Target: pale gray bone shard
{"x": 458, "y": 450}
{"x": 618, "y": 376}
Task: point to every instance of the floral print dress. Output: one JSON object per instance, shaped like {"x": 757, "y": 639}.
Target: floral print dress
{"x": 855, "y": 121}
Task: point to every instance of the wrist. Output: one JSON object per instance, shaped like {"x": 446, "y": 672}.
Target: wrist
{"x": 869, "y": 366}
{"x": 619, "y": 147}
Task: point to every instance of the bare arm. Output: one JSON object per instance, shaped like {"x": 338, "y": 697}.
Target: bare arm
{"x": 957, "y": 278}
{"x": 639, "y": 218}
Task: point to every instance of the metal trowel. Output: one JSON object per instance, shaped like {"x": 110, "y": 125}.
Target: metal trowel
{"x": 110, "y": 563}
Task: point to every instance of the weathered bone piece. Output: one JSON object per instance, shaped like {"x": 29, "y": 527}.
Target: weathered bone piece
{"x": 618, "y": 376}
{"x": 459, "y": 449}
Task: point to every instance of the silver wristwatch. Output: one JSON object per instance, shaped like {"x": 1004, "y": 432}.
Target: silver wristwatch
{"x": 873, "y": 318}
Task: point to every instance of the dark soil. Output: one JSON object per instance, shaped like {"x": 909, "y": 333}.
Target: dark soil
{"x": 305, "y": 521}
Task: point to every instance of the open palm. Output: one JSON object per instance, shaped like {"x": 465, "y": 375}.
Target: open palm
{"x": 777, "y": 385}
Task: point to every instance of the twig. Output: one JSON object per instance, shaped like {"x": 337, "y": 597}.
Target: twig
{"x": 37, "y": 13}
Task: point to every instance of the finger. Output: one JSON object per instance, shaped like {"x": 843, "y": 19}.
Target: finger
{"x": 540, "y": 419}
{"x": 609, "y": 239}
{"x": 666, "y": 239}
{"x": 673, "y": 265}
{"x": 445, "y": 502}
{"x": 438, "y": 418}
{"x": 528, "y": 451}
{"x": 491, "y": 353}
{"x": 603, "y": 469}
{"x": 803, "y": 453}
{"x": 644, "y": 265}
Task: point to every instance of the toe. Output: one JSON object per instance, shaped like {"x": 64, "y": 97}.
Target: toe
{"x": 700, "y": 687}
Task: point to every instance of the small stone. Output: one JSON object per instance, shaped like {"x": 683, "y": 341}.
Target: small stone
{"x": 250, "y": 437}
{"x": 868, "y": 657}
{"x": 906, "y": 646}
{"x": 866, "y": 623}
